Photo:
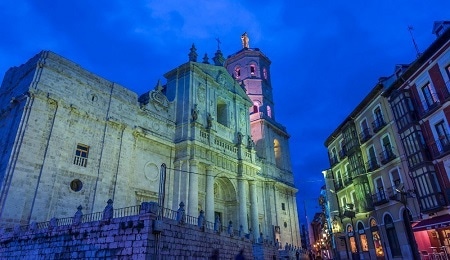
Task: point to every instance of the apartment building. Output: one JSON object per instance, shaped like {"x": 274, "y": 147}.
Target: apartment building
{"x": 420, "y": 103}
{"x": 371, "y": 208}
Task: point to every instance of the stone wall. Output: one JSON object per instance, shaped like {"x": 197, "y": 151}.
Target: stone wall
{"x": 127, "y": 237}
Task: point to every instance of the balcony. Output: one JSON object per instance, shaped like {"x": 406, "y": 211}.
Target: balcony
{"x": 429, "y": 106}
{"x": 342, "y": 153}
{"x": 379, "y": 198}
{"x": 378, "y": 124}
{"x": 441, "y": 147}
{"x": 333, "y": 160}
{"x": 431, "y": 202}
{"x": 387, "y": 155}
{"x": 447, "y": 90}
{"x": 372, "y": 165}
{"x": 365, "y": 135}
{"x": 338, "y": 184}
{"x": 347, "y": 178}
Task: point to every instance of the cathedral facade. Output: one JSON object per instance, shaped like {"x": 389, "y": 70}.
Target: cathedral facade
{"x": 69, "y": 137}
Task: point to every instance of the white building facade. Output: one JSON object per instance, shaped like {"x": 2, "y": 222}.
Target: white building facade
{"x": 69, "y": 138}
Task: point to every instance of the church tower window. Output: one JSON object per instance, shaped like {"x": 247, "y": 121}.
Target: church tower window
{"x": 277, "y": 151}
{"x": 255, "y": 109}
{"x": 269, "y": 111}
{"x": 81, "y": 155}
{"x": 252, "y": 69}
{"x": 237, "y": 72}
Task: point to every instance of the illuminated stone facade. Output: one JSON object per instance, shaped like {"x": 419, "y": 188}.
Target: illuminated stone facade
{"x": 69, "y": 137}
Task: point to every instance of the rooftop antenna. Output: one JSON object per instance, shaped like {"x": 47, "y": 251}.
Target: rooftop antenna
{"x": 410, "y": 29}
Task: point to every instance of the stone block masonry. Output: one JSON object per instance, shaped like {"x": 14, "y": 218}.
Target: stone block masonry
{"x": 126, "y": 237}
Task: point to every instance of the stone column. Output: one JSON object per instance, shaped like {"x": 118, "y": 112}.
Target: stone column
{"x": 242, "y": 204}
{"x": 210, "y": 194}
{"x": 193, "y": 189}
{"x": 254, "y": 209}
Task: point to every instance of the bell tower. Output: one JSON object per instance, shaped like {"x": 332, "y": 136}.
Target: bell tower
{"x": 251, "y": 68}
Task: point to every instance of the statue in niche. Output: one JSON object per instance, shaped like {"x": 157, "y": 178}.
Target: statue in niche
{"x": 209, "y": 120}
{"x": 245, "y": 40}
{"x": 194, "y": 113}
{"x": 239, "y": 138}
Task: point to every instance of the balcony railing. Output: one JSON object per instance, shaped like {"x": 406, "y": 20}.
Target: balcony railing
{"x": 441, "y": 147}
{"x": 445, "y": 92}
{"x": 342, "y": 153}
{"x": 378, "y": 124}
{"x": 365, "y": 135}
{"x": 387, "y": 155}
{"x": 333, "y": 160}
{"x": 372, "y": 165}
{"x": 428, "y": 107}
{"x": 338, "y": 184}
{"x": 347, "y": 178}
{"x": 379, "y": 198}
{"x": 393, "y": 193}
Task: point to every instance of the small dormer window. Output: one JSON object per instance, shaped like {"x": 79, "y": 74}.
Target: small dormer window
{"x": 252, "y": 69}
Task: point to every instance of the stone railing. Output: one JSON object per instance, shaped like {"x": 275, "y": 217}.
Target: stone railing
{"x": 110, "y": 213}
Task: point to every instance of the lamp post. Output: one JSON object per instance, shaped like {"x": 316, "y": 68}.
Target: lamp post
{"x": 407, "y": 223}
{"x": 350, "y": 213}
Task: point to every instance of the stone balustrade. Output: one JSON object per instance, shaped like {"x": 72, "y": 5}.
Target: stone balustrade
{"x": 130, "y": 233}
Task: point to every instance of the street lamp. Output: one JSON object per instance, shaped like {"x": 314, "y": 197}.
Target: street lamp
{"x": 407, "y": 223}
{"x": 340, "y": 215}
{"x": 350, "y": 213}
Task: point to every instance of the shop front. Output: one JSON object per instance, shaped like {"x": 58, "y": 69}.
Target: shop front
{"x": 433, "y": 236}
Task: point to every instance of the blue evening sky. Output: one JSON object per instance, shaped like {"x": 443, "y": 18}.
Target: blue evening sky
{"x": 326, "y": 55}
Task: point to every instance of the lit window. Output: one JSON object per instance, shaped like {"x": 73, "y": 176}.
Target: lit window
{"x": 269, "y": 111}
{"x": 277, "y": 152}
{"x": 252, "y": 69}
{"x": 237, "y": 72}
{"x": 363, "y": 237}
{"x": 376, "y": 238}
{"x": 81, "y": 155}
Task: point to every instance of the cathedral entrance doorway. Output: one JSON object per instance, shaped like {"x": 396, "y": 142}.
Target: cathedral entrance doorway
{"x": 225, "y": 201}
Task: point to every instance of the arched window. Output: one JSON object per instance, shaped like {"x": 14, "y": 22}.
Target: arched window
{"x": 378, "y": 245}
{"x": 277, "y": 152}
{"x": 253, "y": 69}
{"x": 351, "y": 238}
{"x": 269, "y": 111}
{"x": 392, "y": 236}
{"x": 237, "y": 72}
{"x": 255, "y": 107}
{"x": 363, "y": 237}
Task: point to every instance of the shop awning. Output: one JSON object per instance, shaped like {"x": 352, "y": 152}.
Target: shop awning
{"x": 433, "y": 223}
